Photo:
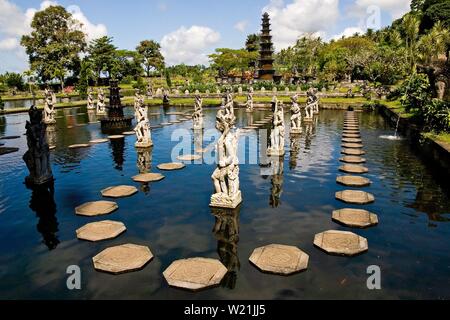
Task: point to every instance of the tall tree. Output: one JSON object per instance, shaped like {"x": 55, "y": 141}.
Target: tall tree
{"x": 150, "y": 52}
{"x": 252, "y": 42}
{"x": 232, "y": 60}
{"x": 102, "y": 54}
{"x": 55, "y": 43}
{"x": 411, "y": 25}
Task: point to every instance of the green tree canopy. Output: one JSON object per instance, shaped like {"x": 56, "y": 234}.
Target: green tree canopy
{"x": 150, "y": 52}
{"x": 232, "y": 60}
{"x": 102, "y": 54}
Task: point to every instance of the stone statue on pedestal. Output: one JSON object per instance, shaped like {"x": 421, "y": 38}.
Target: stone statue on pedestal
{"x": 226, "y": 176}
{"x": 310, "y": 104}
{"x": 197, "y": 116}
{"x": 90, "y": 99}
{"x": 166, "y": 99}
{"x": 149, "y": 92}
{"x": 101, "y": 104}
{"x": 143, "y": 133}
{"x": 277, "y": 135}
{"x": 49, "y": 107}
{"x": 250, "y": 100}
{"x": 296, "y": 118}
{"x": 37, "y": 158}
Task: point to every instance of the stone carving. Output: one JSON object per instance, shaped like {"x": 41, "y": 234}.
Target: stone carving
{"x": 149, "y": 92}
{"x": 249, "y": 103}
{"x": 49, "y": 107}
{"x": 226, "y": 176}
{"x": 101, "y": 104}
{"x": 228, "y": 105}
{"x": 166, "y": 99}
{"x": 312, "y": 104}
{"x": 143, "y": 133}
{"x": 186, "y": 92}
{"x": 296, "y": 118}
{"x": 197, "y": 116}
{"x": 90, "y": 104}
{"x": 37, "y": 158}
{"x": 159, "y": 92}
{"x": 277, "y": 135}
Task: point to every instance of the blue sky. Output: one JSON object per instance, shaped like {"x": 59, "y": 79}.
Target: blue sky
{"x": 189, "y": 30}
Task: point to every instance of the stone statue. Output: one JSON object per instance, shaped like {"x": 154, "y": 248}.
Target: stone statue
{"x": 101, "y": 104}
{"x": 138, "y": 100}
{"x": 310, "y": 104}
{"x": 159, "y": 92}
{"x": 226, "y": 175}
{"x": 90, "y": 104}
{"x": 197, "y": 116}
{"x": 250, "y": 100}
{"x": 49, "y": 107}
{"x": 166, "y": 99}
{"x": 143, "y": 133}
{"x": 149, "y": 92}
{"x": 296, "y": 118}
{"x": 37, "y": 158}
{"x": 277, "y": 135}
{"x": 228, "y": 103}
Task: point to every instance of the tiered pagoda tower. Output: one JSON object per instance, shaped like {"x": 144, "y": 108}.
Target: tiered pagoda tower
{"x": 266, "y": 71}
{"x": 115, "y": 120}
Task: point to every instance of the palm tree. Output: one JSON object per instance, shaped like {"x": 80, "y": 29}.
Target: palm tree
{"x": 431, "y": 45}
{"x": 29, "y": 74}
{"x": 411, "y": 27}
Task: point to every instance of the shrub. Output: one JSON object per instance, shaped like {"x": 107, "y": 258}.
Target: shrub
{"x": 436, "y": 115}
{"x": 416, "y": 92}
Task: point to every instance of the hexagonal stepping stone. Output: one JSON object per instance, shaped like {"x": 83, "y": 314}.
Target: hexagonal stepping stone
{"x": 51, "y": 147}
{"x": 174, "y": 113}
{"x": 189, "y": 157}
{"x": 81, "y": 125}
{"x": 96, "y": 141}
{"x": 148, "y": 177}
{"x": 195, "y": 273}
{"x": 355, "y": 131}
{"x": 353, "y": 168}
{"x": 96, "y": 208}
{"x": 355, "y": 218}
{"x": 351, "y": 122}
{"x": 165, "y": 124}
{"x": 102, "y": 230}
{"x": 129, "y": 133}
{"x": 347, "y": 127}
{"x": 119, "y": 191}
{"x": 80, "y": 145}
{"x": 279, "y": 259}
{"x": 353, "y": 181}
{"x": 121, "y": 259}
{"x": 351, "y": 135}
{"x": 6, "y": 150}
{"x": 171, "y": 166}
{"x": 10, "y": 137}
{"x": 116, "y": 136}
{"x": 352, "y": 145}
{"x": 154, "y": 114}
{"x": 341, "y": 243}
{"x": 355, "y": 197}
{"x": 251, "y": 128}
{"x": 352, "y": 159}
{"x": 175, "y": 121}
{"x": 353, "y": 152}
{"x": 351, "y": 140}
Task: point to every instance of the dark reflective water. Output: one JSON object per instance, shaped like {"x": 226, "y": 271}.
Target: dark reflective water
{"x": 172, "y": 217}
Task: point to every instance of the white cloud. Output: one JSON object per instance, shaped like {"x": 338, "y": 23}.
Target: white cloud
{"x": 12, "y": 20}
{"x": 241, "y": 25}
{"x": 395, "y": 8}
{"x": 188, "y": 45}
{"x": 9, "y": 44}
{"x": 299, "y": 17}
{"x": 93, "y": 31}
{"x": 348, "y": 32}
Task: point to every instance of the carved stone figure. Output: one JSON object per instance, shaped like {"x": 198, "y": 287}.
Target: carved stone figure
{"x": 296, "y": 118}
{"x": 166, "y": 99}
{"x": 90, "y": 99}
{"x": 138, "y": 100}
{"x": 149, "y": 92}
{"x": 278, "y": 130}
{"x": 197, "y": 116}
{"x": 49, "y": 107}
{"x": 101, "y": 104}
{"x": 228, "y": 103}
{"x": 226, "y": 176}
{"x": 37, "y": 158}
{"x": 159, "y": 92}
{"x": 250, "y": 100}
{"x": 143, "y": 133}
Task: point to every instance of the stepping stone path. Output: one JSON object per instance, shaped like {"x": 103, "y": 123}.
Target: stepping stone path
{"x": 279, "y": 259}
{"x": 119, "y": 191}
{"x": 351, "y": 140}
{"x": 355, "y": 218}
{"x": 353, "y": 181}
{"x": 96, "y": 141}
{"x": 6, "y": 150}
{"x": 189, "y": 157}
{"x": 351, "y": 135}
{"x": 171, "y": 166}
{"x": 165, "y": 124}
{"x": 80, "y": 145}
{"x": 121, "y": 259}
{"x": 102, "y": 230}
{"x": 116, "y": 136}
{"x": 352, "y": 145}
{"x": 353, "y": 152}
{"x": 128, "y": 133}
{"x": 148, "y": 177}
{"x": 174, "y": 113}
{"x": 355, "y": 197}
{"x": 154, "y": 114}
{"x": 175, "y": 121}
{"x": 96, "y": 208}
{"x": 352, "y": 168}
{"x": 354, "y": 131}
{"x": 341, "y": 243}
{"x": 352, "y": 159}
{"x": 195, "y": 273}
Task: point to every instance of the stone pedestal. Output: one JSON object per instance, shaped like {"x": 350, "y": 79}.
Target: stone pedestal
{"x": 222, "y": 200}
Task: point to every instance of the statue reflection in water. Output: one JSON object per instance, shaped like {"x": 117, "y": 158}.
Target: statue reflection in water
{"x": 118, "y": 150}
{"x": 226, "y": 231}
{"x": 198, "y": 140}
{"x": 295, "y": 150}
{"x": 43, "y": 204}
{"x": 144, "y": 164}
{"x": 277, "y": 167}
{"x": 308, "y": 136}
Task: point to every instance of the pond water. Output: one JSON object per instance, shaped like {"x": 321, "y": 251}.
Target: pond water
{"x": 26, "y": 103}
{"x": 172, "y": 217}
